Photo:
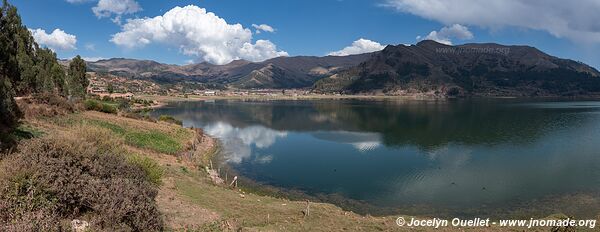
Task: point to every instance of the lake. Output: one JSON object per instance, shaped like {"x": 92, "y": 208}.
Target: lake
{"x": 436, "y": 158}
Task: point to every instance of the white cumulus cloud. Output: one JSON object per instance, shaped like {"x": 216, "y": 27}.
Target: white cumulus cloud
{"x": 358, "y": 47}
{"x": 263, "y": 27}
{"x": 57, "y": 40}
{"x": 577, "y": 22}
{"x": 93, "y": 59}
{"x": 107, "y": 8}
{"x": 197, "y": 33}
{"x": 78, "y": 1}
{"x": 446, "y": 34}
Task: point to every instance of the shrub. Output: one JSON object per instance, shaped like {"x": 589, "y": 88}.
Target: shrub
{"x": 78, "y": 173}
{"x": 153, "y": 170}
{"x": 92, "y": 105}
{"x": 46, "y": 105}
{"x": 169, "y": 119}
{"x": 99, "y": 106}
{"x": 110, "y": 109}
{"x": 139, "y": 116}
{"x": 54, "y": 100}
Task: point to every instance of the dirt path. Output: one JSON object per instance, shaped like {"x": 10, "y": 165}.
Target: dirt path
{"x": 180, "y": 213}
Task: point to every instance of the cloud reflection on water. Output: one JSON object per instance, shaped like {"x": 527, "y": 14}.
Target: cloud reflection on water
{"x": 238, "y": 142}
{"x": 361, "y": 141}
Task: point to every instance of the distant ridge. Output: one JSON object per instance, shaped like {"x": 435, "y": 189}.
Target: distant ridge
{"x": 430, "y": 68}
{"x": 278, "y": 73}
{"x": 486, "y": 69}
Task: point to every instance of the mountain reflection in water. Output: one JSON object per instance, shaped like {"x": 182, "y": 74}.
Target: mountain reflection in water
{"x": 420, "y": 157}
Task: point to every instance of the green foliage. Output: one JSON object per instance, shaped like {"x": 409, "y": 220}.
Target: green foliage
{"x": 110, "y": 88}
{"x": 169, "y": 119}
{"x": 77, "y": 78}
{"x": 154, "y": 140}
{"x": 25, "y": 68}
{"x": 153, "y": 170}
{"x": 44, "y": 79}
{"x": 9, "y": 72}
{"x": 95, "y": 105}
{"x": 107, "y": 108}
{"x": 92, "y": 105}
{"x": 59, "y": 77}
{"x": 114, "y": 128}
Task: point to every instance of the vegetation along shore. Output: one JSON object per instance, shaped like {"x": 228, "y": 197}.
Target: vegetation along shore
{"x": 79, "y": 151}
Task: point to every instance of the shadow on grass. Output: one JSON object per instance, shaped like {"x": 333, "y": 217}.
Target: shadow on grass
{"x": 9, "y": 139}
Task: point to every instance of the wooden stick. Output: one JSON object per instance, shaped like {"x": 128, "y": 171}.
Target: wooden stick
{"x": 234, "y": 181}
{"x": 307, "y": 208}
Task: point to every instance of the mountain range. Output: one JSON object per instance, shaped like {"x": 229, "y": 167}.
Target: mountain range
{"x": 431, "y": 68}
{"x": 276, "y": 73}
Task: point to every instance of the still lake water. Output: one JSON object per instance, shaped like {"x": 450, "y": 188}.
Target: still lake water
{"x": 437, "y": 158}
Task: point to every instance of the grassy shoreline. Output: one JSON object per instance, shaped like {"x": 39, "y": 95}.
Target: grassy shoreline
{"x": 168, "y": 99}
{"x": 189, "y": 200}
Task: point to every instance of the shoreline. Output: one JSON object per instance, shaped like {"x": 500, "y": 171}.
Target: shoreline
{"x": 250, "y": 186}
{"x": 537, "y": 207}
{"x": 189, "y": 199}
{"x": 163, "y": 100}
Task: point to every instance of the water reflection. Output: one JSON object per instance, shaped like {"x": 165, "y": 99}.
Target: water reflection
{"x": 238, "y": 142}
{"x": 418, "y": 156}
{"x": 363, "y": 142}
{"x": 426, "y": 124}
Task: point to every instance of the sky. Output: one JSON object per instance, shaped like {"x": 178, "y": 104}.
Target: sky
{"x": 219, "y": 31}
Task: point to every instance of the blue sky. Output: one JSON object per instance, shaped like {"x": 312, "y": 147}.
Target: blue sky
{"x": 302, "y": 27}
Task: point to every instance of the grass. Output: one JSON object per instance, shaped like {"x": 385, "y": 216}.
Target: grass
{"x": 193, "y": 198}
{"x": 169, "y": 119}
{"x": 273, "y": 214}
{"x": 154, "y": 140}
{"x": 169, "y": 142}
{"x": 114, "y": 128}
{"x": 25, "y": 131}
{"x": 154, "y": 172}
{"x": 252, "y": 211}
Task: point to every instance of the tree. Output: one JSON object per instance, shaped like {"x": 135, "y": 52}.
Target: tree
{"x": 26, "y": 54}
{"x": 59, "y": 77}
{"x": 45, "y": 60}
{"x": 110, "y": 88}
{"x": 8, "y": 73}
{"x": 78, "y": 81}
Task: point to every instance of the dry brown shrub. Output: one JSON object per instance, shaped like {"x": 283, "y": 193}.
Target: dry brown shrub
{"x": 47, "y": 105}
{"x": 74, "y": 174}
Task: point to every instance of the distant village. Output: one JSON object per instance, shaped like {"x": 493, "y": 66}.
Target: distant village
{"x": 120, "y": 87}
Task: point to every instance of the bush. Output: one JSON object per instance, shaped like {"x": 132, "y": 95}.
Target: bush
{"x": 99, "y": 106}
{"x": 46, "y": 105}
{"x": 110, "y": 109}
{"x": 169, "y": 119}
{"x": 138, "y": 116}
{"x": 74, "y": 174}
{"x": 54, "y": 100}
{"x": 92, "y": 105}
{"x": 153, "y": 170}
